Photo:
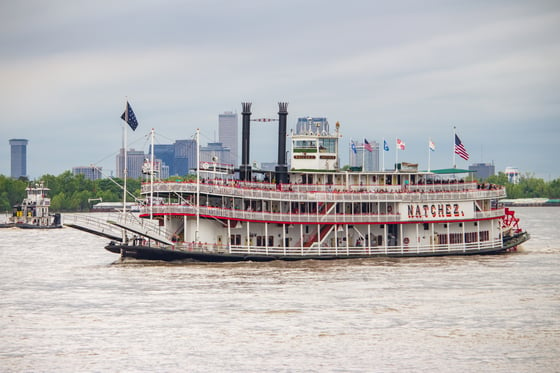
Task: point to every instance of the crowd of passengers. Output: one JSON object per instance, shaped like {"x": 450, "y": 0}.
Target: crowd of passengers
{"x": 336, "y": 188}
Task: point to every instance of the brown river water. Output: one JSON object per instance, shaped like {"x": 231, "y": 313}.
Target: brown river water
{"x": 67, "y": 305}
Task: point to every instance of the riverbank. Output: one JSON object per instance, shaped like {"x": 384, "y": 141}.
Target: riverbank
{"x": 530, "y": 202}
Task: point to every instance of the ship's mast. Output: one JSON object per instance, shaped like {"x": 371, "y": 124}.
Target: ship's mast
{"x": 125, "y": 168}
{"x": 152, "y": 170}
{"x": 196, "y": 238}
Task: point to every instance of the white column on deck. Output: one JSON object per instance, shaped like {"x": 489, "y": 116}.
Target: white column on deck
{"x": 464, "y": 243}
{"x": 386, "y": 243}
{"x": 229, "y": 235}
{"x": 301, "y": 238}
{"x": 493, "y": 238}
{"x": 417, "y": 238}
{"x": 478, "y": 233}
{"x": 266, "y": 237}
{"x": 184, "y": 228}
{"x": 448, "y": 237}
{"x": 336, "y": 239}
{"x": 347, "y": 240}
{"x": 369, "y": 237}
{"x": 319, "y": 238}
{"x": 284, "y": 237}
{"x": 401, "y": 237}
{"x": 432, "y": 236}
{"x": 248, "y": 238}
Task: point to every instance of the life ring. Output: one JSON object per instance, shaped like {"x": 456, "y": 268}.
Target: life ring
{"x": 406, "y": 240}
{"x": 389, "y": 209}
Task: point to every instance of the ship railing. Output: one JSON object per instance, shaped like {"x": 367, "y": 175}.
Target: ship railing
{"x": 342, "y": 251}
{"x": 433, "y": 187}
{"x": 328, "y": 188}
{"x": 309, "y": 188}
{"x": 148, "y": 226}
{"x": 390, "y": 195}
{"x": 234, "y": 214}
{"x": 494, "y": 213}
{"x": 96, "y": 223}
{"x": 217, "y": 212}
{"x": 103, "y": 222}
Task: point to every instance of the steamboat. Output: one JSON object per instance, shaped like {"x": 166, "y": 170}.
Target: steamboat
{"x": 33, "y": 211}
{"x": 311, "y": 209}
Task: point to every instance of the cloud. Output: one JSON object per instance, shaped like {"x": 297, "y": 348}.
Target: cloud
{"x": 380, "y": 68}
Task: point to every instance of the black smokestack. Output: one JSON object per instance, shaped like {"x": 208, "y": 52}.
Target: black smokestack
{"x": 245, "y": 169}
{"x": 282, "y": 167}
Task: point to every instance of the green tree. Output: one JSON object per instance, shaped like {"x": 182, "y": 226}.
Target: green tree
{"x": 554, "y": 189}
{"x": 12, "y": 192}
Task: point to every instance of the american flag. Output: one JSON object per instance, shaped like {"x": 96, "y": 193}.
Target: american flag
{"x": 367, "y": 146}
{"x": 460, "y": 149}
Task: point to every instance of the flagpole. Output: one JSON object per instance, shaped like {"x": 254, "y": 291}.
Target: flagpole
{"x": 125, "y": 166}
{"x": 152, "y": 170}
{"x": 454, "y": 134}
{"x": 196, "y": 234}
{"x": 383, "y": 169}
{"x": 429, "y": 153}
{"x": 396, "y": 154}
{"x": 363, "y": 156}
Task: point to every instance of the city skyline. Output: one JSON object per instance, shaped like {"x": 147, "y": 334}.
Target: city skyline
{"x": 185, "y": 150}
{"x": 384, "y": 70}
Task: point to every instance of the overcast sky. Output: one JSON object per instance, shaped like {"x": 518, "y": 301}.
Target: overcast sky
{"x": 383, "y": 69}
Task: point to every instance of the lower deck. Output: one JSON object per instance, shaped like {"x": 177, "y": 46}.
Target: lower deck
{"x": 214, "y": 253}
{"x": 318, "y": 240}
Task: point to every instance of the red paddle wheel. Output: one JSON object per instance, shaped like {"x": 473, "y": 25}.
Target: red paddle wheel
{"x": 510, "y": 228}
{"x": 509, "y": 221}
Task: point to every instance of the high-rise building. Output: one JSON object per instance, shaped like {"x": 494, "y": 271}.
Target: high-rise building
{"x": 18, "y": 158}
{"x": 362, "y": 157}
{"x": 215, "y": 152}
{"x": 177, "y": 159}
{"x": 312, "y": 125}
{"x": 164, "y": 170}
{"x": 135, "y": 160}
{"x": 482, "y": 170}
{"x": 228, "y": 135}
{"x": 166, "y": 152}
{"x": 89, "y": 172}
{"x": 184, "y": 157}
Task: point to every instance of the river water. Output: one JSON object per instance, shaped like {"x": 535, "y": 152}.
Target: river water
{"x": 67, "y": 305}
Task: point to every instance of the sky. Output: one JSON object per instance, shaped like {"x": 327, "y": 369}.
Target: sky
{"x": 412, "y": 70}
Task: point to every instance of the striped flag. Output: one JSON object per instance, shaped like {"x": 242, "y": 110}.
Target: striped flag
{"x": 367, "y": 146}
{"x": 460, "y": 149}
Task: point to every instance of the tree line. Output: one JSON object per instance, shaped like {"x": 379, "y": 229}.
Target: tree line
{"x": 528, "y": 187}
{"x": 70, "y": 192}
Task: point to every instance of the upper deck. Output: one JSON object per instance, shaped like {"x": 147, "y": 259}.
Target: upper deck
{"x": 345, "y": 192}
